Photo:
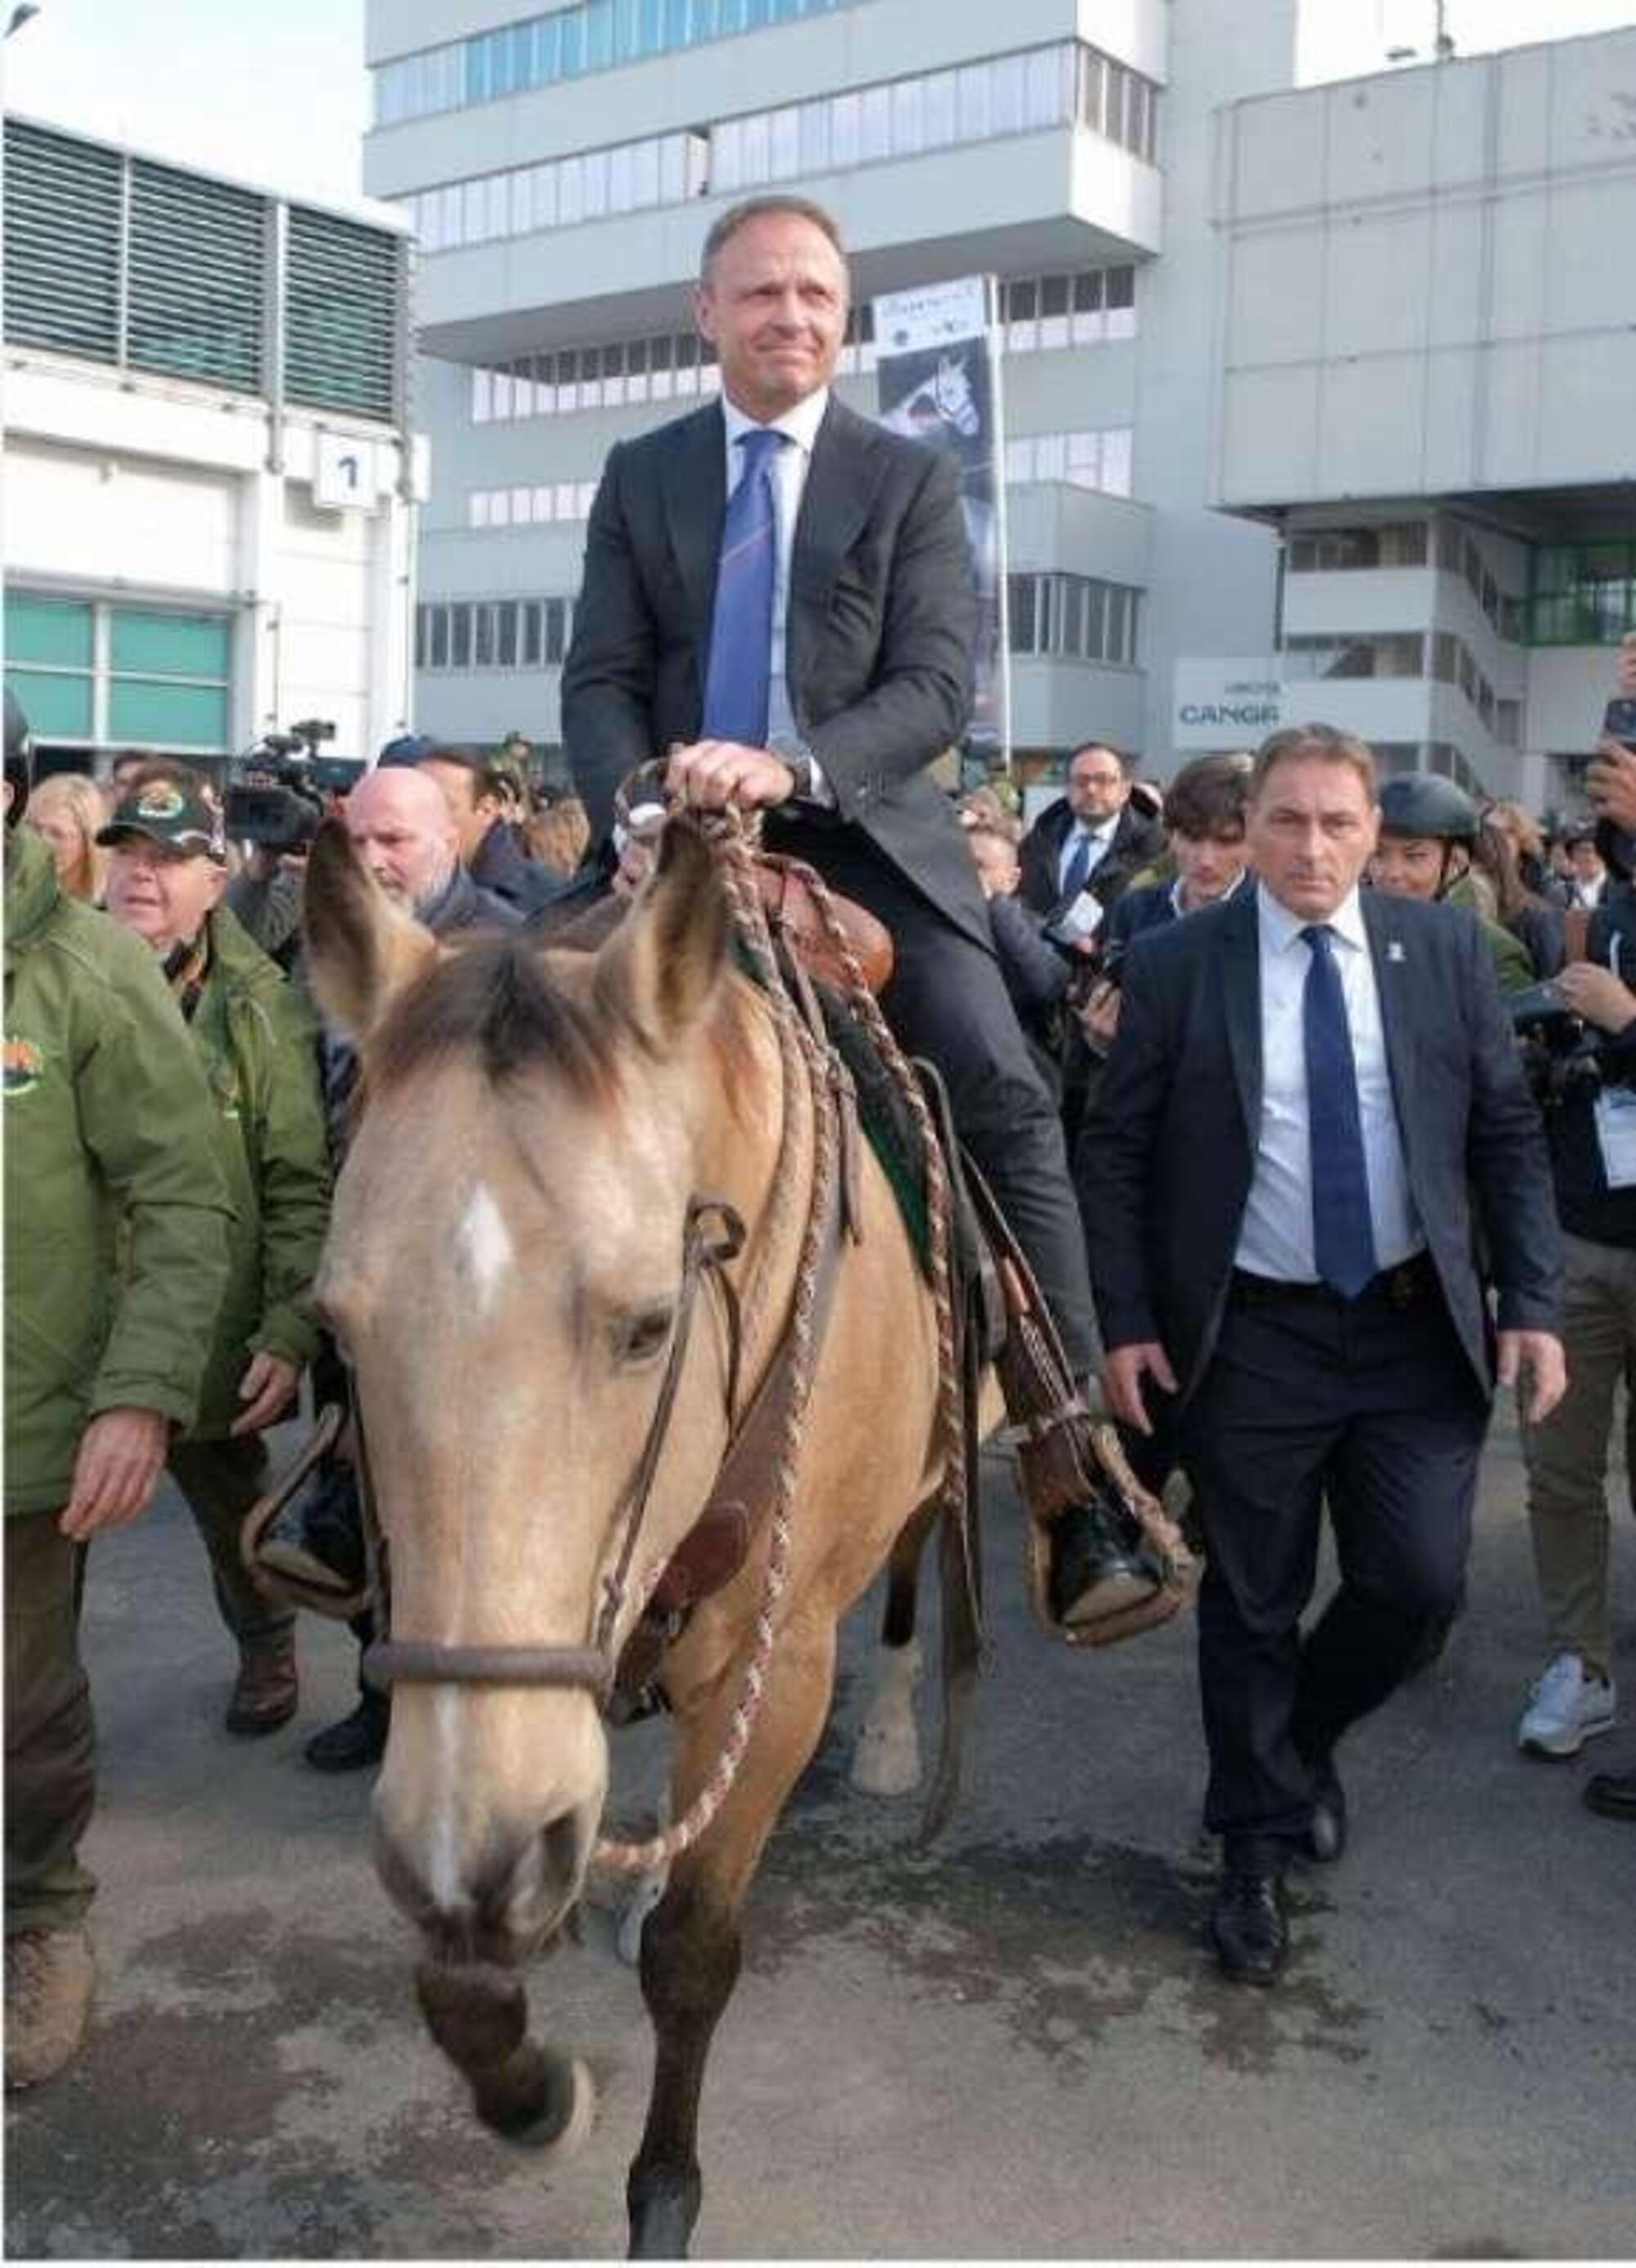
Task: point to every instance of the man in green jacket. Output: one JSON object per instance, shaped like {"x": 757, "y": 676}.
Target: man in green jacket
{"x": 117, "y": 1219}
{"x": 258, "y": 1043}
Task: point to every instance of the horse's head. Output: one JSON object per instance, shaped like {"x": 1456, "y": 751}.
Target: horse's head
{"x": 503, "y": 1270}
{"x": 951, "y": 390}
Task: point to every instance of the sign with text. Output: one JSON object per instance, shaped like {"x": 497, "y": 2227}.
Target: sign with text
{"x": 937, "y": 374}
{"x": 1227, "y": 704}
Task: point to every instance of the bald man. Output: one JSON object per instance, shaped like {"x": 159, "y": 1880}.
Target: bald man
{"x": 402, "y": 825}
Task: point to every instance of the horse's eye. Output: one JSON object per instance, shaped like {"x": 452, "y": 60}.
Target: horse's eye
{"x": 643, "y": 1335}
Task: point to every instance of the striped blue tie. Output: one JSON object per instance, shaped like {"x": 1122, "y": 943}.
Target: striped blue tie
{"x": 739, "y": 680}
{"x": 1343, "y": 1236}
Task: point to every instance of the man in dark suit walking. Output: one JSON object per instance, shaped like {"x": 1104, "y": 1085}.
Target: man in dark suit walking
{"x": 1312, "y": 1108}
{"x": 1093, "y": 838}
{"x": 779, "y": 594}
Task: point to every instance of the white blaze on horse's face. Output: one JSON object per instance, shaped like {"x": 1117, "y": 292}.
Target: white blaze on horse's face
{"x": 482, "y": 1246}
{"x": 504, "y": 1259}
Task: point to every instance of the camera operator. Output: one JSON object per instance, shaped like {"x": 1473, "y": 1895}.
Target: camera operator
{"x": 276, "y": 805}
{"x": 1590, "y": 1092}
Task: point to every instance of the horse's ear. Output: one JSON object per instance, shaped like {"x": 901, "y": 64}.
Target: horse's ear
{"x": 661, "y": 968}
{"x": 360, "y": 950}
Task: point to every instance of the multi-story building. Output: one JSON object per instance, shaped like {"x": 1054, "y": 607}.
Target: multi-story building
{"x": 208, "y": 479}
{"x": 1428, "y": 381}
{"x": 562, "y": 166}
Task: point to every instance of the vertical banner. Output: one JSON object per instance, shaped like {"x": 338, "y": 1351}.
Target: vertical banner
{"x": 937, "y": 369}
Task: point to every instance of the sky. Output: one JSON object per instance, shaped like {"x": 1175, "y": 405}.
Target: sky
{"x": 275, "y": 91}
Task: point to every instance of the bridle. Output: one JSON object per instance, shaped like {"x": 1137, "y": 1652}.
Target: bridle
{"x": 712, "y": 1235}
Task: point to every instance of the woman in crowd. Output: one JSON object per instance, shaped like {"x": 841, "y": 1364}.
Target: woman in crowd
{"x": 67, "y": 809}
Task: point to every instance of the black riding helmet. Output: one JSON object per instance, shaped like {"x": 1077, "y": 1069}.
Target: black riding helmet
{"x": 19, "y": 758}
{"x": 1424, "y": 804}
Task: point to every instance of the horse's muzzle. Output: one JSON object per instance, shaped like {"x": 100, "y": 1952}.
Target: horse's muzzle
{"x": 506, "y": 1902}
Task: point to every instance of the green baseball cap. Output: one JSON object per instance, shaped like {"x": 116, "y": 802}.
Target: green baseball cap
{"x": 185, "y": 818}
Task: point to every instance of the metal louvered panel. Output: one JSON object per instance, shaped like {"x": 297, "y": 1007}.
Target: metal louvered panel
{"x": 61, "y": 243}
{"x": 197, "y": 273}
{"x": 342, "y": 320}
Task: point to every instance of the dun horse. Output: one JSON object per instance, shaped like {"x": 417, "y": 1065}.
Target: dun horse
{"x": 513, "y": 1267}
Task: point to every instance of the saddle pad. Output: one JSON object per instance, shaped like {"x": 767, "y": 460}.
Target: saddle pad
{"x": 888, "y": 1124}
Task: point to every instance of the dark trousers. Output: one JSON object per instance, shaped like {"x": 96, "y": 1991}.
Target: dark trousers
{"x": 1372, "y": 1405}
{"x": 947, "y": 1002}
{"x": 221, "y": 1480}
{"x": 50, "y": 1738}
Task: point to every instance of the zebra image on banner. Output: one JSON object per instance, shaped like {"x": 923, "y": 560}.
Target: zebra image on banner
{"x": 937, "y": 370}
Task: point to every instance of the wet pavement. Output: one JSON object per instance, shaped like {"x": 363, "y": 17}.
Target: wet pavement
{"x": 1010, "y": 2045}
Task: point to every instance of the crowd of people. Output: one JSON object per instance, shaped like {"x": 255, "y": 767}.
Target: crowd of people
{"x": 1234, "y": 1057}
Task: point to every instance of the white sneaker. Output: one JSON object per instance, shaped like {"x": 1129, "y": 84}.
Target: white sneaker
{"x": 1565, "y": 1709}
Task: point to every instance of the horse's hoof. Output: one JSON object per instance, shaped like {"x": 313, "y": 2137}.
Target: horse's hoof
{"x": 887, "y": 1761}
{"x": 569, "y": 2115}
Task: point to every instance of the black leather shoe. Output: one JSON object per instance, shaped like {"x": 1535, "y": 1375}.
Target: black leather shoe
{"x": 319, "y": 1536}
{"x": 1246, "y": 1929}
{"x": 1092, "y": 1573}
{"x": 356, "y": 1741}
{"x": 1612, "y": 1793}
{"x": 1326, "y": 1830}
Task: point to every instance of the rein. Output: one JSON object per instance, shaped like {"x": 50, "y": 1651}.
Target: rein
{"x": 713, "y": 1236}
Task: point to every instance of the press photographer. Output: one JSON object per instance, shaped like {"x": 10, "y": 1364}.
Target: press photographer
{"x": 278, "y": 798}
{"x": 1586, "y": 1078}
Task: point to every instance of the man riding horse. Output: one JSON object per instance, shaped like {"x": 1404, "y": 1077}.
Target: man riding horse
{"x": 779, "y": 594}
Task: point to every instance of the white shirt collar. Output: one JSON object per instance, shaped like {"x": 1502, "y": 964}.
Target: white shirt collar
{"x": 1281, "y": 928}
{"x": 800, "y": 424}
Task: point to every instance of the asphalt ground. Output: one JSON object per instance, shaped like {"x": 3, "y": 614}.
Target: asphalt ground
{"x": 1012, "y": 2045}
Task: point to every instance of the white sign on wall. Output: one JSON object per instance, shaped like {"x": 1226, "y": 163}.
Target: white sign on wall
{"x": 1227, "y": 704}
{"x": 343, "y": 472}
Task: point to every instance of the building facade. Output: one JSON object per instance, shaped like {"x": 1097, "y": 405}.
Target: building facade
{"x": 1427, "y": 383}
{"x": 561, "y": 168}
{"x": 209, "y": 483}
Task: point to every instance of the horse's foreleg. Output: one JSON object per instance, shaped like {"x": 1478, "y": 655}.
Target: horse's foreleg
{"x": 690, "y": 1944}
{"x": 690, "y": 1966}
{"x": 478, "y": 2016}
{"x": 886, "y": 1757}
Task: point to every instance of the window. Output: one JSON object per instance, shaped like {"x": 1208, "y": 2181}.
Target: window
{"x": 1099, "y": 459}
{"x": 1073, "y": 617}
{"x": 89, "y": 671}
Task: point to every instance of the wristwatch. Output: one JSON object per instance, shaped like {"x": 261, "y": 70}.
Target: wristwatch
{"x": 796, "y": 761}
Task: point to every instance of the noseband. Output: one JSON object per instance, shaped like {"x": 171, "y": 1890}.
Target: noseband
{"x": 712, "y": 1235}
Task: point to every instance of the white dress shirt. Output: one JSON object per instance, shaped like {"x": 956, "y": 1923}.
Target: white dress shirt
{"x": 1099, "y": 840}
{"x": 790, "y": 468}
{"x": 1276, "y": 1236}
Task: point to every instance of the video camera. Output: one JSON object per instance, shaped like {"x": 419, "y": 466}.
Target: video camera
{"x": 1561, "y": 1053}
{"x": 277, "y": 799}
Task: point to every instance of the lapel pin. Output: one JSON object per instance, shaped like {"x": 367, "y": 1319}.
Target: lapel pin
{"x": 1394, "y": 951}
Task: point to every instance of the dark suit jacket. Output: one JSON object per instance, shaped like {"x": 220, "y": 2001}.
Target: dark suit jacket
{"x": 1169, "y": 1151}
{"x": 880, "y": 626}
{"x": 1136, "y": 843}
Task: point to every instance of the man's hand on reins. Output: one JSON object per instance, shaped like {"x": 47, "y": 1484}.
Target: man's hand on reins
{"x": 711, "y": 775}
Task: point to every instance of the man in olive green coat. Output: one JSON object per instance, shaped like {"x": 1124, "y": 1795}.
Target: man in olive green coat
{"x": 257, "y": 1041}
{"x": 117, "y": 1218}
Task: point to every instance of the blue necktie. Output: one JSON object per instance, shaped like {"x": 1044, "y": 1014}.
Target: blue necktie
{"x": 1343, "y": 1237}
{"x": 1078, "y": 867}
{"x": 739, "y": 680}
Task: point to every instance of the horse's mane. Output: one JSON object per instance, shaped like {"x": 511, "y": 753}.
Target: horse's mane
{"x": 498, "y": 1000}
